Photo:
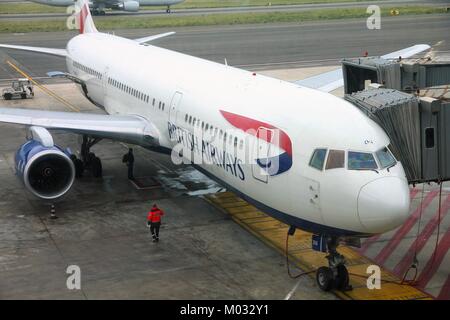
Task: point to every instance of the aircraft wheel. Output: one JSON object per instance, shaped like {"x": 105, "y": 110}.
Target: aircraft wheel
{"x": 168, "y": 10}
{"x": 324, "y": 278}
{"x": 23, "y": 95}
{"x": 7, "y": 96}
{"x": 341, "y": 282}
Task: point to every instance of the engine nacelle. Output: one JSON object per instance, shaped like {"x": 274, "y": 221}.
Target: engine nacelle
{"x": 46, "y": 171}
{"x": 130, "y": 6}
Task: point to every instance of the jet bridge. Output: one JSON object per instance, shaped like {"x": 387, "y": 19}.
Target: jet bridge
{"x": 399, "y": 95}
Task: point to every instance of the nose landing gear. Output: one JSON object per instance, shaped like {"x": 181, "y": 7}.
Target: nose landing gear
{"x": 335, "y": 276}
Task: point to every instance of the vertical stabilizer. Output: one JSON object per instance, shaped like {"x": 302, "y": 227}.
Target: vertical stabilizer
{"x": 85, "y": 21}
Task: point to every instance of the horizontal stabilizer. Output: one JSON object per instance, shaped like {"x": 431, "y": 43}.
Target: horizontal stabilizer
{"x": 52, "y": 51}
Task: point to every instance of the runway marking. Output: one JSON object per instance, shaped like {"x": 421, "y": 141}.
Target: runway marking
{"x": 422, "y": 239}
{"x": 435, "y": 261}
{"x": 445, "y": 291}
{"x": 48, "y": 91}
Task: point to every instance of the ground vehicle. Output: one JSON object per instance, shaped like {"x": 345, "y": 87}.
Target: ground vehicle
{"x": 20, "y": 88}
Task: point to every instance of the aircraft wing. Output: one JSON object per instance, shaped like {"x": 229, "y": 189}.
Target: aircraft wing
{"x": 126, "y": 128}
{"x": 52, "y": 51}
{"x": 154, "y": 37}
{"x": 331, "y": 80}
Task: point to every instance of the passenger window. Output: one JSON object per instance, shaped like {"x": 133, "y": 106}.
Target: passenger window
{"x": 361, "y": 161}
{"x": 318, "y": 158}
{"x": 336, "y": 159}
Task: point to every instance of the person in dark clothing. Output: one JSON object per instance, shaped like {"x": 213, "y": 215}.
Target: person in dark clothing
{"x": 154, "y": 221}
{"x": 129, "y": 160}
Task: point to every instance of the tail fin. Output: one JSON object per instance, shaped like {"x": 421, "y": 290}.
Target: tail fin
{"x": 85, "y": 21}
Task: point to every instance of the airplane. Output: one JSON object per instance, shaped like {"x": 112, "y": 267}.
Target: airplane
{"x": 293, "y": 150}
{"x": 98, "y": 6}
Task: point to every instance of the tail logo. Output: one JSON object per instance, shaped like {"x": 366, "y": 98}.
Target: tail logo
{"x": 272, "y": 165}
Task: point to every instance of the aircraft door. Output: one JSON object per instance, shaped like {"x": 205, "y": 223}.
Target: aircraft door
{"x": 261, "y": 152}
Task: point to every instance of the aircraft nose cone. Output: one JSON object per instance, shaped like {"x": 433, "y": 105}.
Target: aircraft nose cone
{"x": 383, "y": 204}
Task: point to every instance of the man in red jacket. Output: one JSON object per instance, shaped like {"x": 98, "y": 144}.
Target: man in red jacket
{"x": 154, "y": 221}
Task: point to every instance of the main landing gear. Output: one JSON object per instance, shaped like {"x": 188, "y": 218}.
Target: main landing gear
{"x": 89, "y": 160}
{"x": 335, "y": 276}
{"x": 168, "y": 9}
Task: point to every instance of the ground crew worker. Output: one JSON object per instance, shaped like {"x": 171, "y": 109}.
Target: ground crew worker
{"x": 129, "y": 160}
{"x": 154, "y": 221}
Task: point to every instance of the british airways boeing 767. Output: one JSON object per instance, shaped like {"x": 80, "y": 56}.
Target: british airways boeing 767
{"x": 295, "y": 151}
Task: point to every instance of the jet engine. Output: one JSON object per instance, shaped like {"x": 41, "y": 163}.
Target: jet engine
{"x": 130, "y": 6}
{"x": 46, "y": 170}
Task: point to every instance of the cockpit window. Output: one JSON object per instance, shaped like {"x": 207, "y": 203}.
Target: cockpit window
{"x": 361, "y": 161}
{"x": 336, "y": 159}
{"x": 385, "y": 158}
{"x": 318, "y": 158}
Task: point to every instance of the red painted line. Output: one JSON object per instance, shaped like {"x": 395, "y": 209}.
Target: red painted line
{"x": 435, "y": 261}
{"x": 422, "y": 239}
{"x": 404, "y": 229}
{"x": 412, "y": 193}
{"x": 445, "y": 291}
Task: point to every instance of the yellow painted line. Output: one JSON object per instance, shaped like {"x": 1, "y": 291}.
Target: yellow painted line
{"x": 48, "y": 91}
{"x": 273, "y": 233}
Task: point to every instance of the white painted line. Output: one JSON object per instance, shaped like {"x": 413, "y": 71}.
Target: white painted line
{"x": 291, "y": 293}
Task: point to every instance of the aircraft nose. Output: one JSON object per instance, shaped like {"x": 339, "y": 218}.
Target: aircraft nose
{"x": 383, "y": 204}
